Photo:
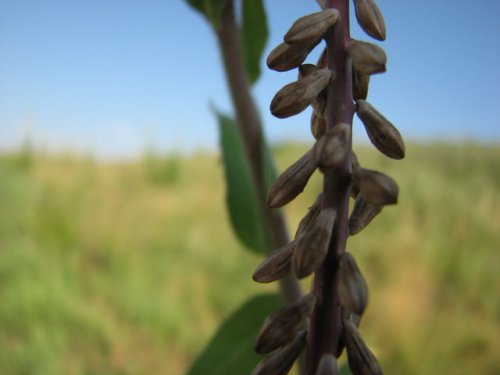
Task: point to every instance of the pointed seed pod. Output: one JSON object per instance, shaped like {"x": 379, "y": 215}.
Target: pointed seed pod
{"x": 353, "y": 291}
{"x": 362, "y": 214}
{"x": 310, "y": 217}
{"x": 291, "y": 182}
{"x": 331, "y": 149}
{"x": 367, "y": 58}
{"x": 375, "y": 187}
{"x": 288, "y": 56}
{"x": 319, "y": 104}
{"x": 311, "y": 28}
{"x": 382, "y": 133}
{"x": 370, "y": 18}
{"x": 327, "y": 365}
{"x": 306, "y": 69}
{"x": 360, "y": 83}
{"x": 277, "y": 264}
{"x": 312, "y": 248}
{"x": 361, "y": 360}
{"x": 318, "y": 125}
{"x": 281, "y": 327}
{"x": 296, "y": 96}
{"x": 281, "y": 361}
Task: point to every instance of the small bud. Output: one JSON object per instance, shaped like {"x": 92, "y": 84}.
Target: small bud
{"x": 362, "y": 214}
{"x": 319, "y": 104}
{"x": 332, "y": 148}
{"x": 375, "y": 187}
{"x": 288, "y": 56}
{"x": 361, "y": 360}
{"x": 277, "y": 264}
{"x": 281, "y": 361}
{"x": 309, "y": 218}
{"x": 311, "y": 28}
{"x": 384, "y": 136}
{"x": 369, "y": 18}
{"x": 318, "y": 125}
{"x": 291, "y": 182}
{"x": 312, "y": 247}
{"x": 328, "y": 365}
{"x": 296, "y": 96}
{"x": 281, "y": 327}
{"x": 360, "y": 83}
{"x": 353, "y": 291}
{"x": 367, "y": 58}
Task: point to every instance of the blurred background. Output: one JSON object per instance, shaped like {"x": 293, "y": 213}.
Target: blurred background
{"x": 116, "y": 253}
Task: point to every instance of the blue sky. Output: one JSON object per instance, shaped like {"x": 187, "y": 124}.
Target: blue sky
{"x": 112, "y": 76}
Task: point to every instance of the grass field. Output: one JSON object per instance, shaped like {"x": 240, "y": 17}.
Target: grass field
{"x": 127, "y": 268}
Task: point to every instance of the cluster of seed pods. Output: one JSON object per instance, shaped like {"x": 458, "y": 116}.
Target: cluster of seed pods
{"x": 326, "y": 320}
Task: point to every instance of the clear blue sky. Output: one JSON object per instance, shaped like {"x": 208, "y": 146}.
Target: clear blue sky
{"x": 110, "y": 76}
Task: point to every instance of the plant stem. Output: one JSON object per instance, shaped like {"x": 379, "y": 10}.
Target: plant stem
{"x": 251, "y": 132}
{"x": 326, "y": 321}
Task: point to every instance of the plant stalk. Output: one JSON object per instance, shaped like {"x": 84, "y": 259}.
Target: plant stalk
{"x": 251, "y": 133}
{"x": 326, "y": 321}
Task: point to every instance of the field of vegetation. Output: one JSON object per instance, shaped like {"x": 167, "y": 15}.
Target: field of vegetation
{"x": 127, "y": 268}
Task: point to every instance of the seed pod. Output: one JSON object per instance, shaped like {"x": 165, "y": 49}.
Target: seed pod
{"x": 296, "y": 96}
{"x": 354, "y": 164}
{"x": 362, "y": 214}
{"x": 323, "y": 59}
{"x": 310, "y": 217}
{"x": 288, "y": 56}
{"x": 353, "y": 291}
{"x": 311, "y": 28}
{"x": 375, "y": 187}
{"x": 277, "y": 264}
{"x": 281, "y": 327}
{"x": 281, "y": 361}
{"x": 306, "y": 69}
{"x": 367, "y": 58}
{"x": 328, "y": 365}
{"x": 350, "y": 316}
{"x": 369, "y": 18}
{"x": 384, "y": 136}
{"x": 361, "y": 360}
{"x": 331, "y": 149}
{"x": 360, "y": 83}
{"x": 312, "y": 247}
{"x": 318, "y": 125}
{"x": 291, "y": 182}
{"x": 319, "y": 104}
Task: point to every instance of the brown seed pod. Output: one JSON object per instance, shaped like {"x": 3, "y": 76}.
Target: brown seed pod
{"x": 382, "y": 133}
{"x": 360, "y": 84}
{"x": 296, "y": 96}
{"x": 367, "y": 58}
{"x": 318, "y": 125}
{"x": 375, "y": 187}
{"x": 353, "y": 291}
{"x": 291, "y": 182}
{"x": 281, "y": 361}
{"x": 309, "y": 218}
{"x": 306, "y": 69}
{"x": 277, "y": 265}
{"x": 312, "y": 247}
{"x": 362, "y": 214}
{"x": 281, "y": 327}
{"x": 331, "y": 149}
{"x": 328, "y": 365}
{"x": 361, "y": 360}
{"x": 370, "y": 18}
{"x": 311, "y": 28}
{"x": 288, "y": 56}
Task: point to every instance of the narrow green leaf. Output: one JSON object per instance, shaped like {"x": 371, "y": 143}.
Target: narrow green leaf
{"x": 231, "y": 350}
{"x": 254, "y": 36}
{"x": 211, "y": 9}
{"x": 242, "y": 201}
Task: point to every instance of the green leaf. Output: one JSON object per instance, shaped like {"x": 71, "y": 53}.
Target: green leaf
{"x": 242, "y": 200}
{"x": 211, "y": 9}
{"x": 231, "y": 350}
{"x": 254, "y": 36}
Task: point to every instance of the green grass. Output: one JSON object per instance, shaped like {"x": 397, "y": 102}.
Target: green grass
{"x": 129, "y": 268}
